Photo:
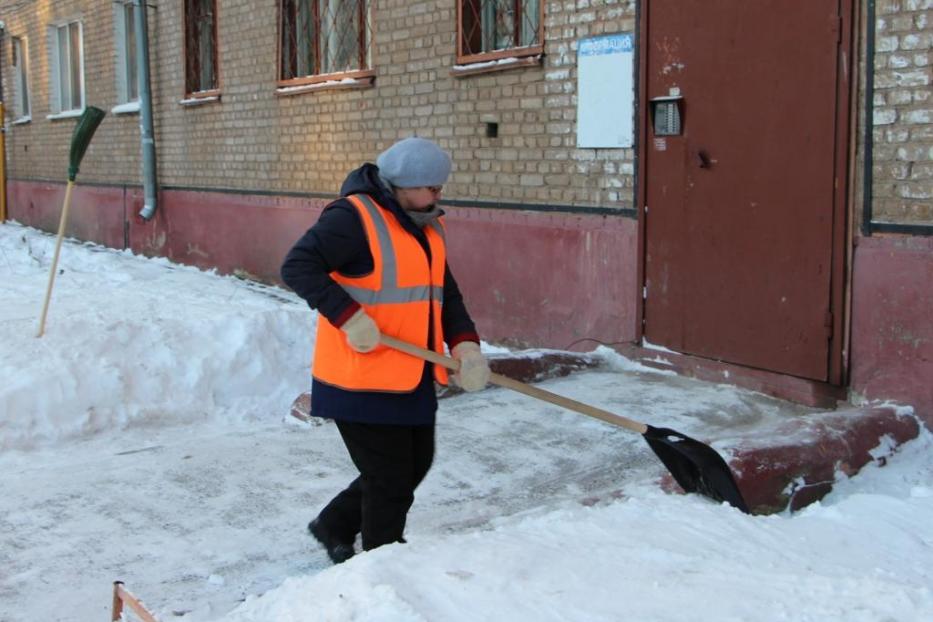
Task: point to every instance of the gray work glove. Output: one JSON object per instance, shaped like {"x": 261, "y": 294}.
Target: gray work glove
{"x": 474, "y": 371}
{"x": 362, "y": 332}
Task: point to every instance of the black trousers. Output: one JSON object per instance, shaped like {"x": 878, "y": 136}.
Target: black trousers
{"x": 392, "y": 460}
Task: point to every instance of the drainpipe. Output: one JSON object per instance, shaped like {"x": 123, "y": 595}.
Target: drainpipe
{"x": 145, "y": 111}
{"x": 2, "y": 133}
{"x": 867, "y": 180}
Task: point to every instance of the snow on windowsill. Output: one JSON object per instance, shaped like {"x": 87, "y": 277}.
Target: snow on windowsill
{"x": 197, "y": 101}
{"x": 68, "y": 114}
{"x": 345, "y": 83}
{"x": 127, "y": 108}
{"x": 500, "y": 64}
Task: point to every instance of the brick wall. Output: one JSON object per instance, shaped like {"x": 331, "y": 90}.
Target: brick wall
{"x": 255, "y": 139}
{"x": 903, "y": 114}
{"x": 39, "y": 149}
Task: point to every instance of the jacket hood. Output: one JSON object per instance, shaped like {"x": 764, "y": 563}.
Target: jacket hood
{"x": 365, "y": 180}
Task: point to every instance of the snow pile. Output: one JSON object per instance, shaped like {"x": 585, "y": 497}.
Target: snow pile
{"x": 864, "y": 553}
{"x": 133, "y": 340}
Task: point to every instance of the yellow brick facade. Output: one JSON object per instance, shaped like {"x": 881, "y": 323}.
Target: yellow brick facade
{"x": 254, "y": 139}
{"x": 903, "y": 112}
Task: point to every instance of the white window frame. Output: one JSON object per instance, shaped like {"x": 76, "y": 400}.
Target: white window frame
{"x": 55, "y": 70}
{"x": 22, "y": 110}
{"x": 124, "y": 37}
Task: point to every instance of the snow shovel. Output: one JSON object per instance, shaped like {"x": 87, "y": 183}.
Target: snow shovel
{"x": 695, "y": 466}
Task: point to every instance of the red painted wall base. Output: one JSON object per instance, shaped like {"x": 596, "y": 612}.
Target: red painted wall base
{"x": 527, "y": 277}
{"x": 892, "y": 321}
{"x": 558, "y": 280}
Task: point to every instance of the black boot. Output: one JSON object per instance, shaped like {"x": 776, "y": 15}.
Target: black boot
{"x": 337, "y": 550}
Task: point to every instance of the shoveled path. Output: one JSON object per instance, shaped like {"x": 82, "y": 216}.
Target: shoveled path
{"x": 194, "y": 518}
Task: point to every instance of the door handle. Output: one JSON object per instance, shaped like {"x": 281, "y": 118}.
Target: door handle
{"x": 704, "y": 159}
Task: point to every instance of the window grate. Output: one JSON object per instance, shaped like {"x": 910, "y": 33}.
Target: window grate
{"x": 496, "y": 25}
{"x": 323, "y": 37}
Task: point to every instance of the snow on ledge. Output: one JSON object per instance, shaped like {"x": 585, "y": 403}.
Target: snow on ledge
{"x": 68, "y": 114}
{"x": 127, "y": 108}
{"x": 492, "y": 65}
{"x": 197, "y": 101}
{"x": 647, "y": 345}
{"x": 345, "y": 83}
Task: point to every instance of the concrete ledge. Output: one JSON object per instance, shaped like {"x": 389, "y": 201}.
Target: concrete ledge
{"x": 806, "y": 455}
{"x": 533, "y": 367}
{"x": 541, "y": 365}
{"x": 781, "y": 386}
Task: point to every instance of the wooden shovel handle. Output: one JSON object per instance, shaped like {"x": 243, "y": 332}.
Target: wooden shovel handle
{"x": 515, "y": 385}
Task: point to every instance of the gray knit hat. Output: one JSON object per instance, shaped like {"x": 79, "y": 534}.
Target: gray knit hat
{"x": 414, "y": 162}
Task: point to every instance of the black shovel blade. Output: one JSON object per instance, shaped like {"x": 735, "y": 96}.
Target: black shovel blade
{"x": 697, "y": 467}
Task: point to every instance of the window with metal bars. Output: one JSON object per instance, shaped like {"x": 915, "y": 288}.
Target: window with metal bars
{"x": 492, "y": 29}
{"x": 319, "y": 38}
{"x": 200, "y": 47}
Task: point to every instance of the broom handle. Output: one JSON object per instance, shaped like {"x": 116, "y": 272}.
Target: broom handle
{"x": 58, "y": 248}
{"x": 515, "y": 385}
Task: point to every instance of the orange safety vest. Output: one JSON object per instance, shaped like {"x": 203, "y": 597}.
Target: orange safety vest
{"x": 401, "y": 293}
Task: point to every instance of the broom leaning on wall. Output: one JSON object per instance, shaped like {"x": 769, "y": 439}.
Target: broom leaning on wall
{"x": 84, "y": 131}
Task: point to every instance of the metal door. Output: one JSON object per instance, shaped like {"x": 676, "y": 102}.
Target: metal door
{"x": 740, "y": 196}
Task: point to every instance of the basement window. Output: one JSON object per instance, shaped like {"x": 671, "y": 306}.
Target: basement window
{"x": 201, "y": 48}
{"x": 494, "y": 30}
{"x": 324, "y": 41}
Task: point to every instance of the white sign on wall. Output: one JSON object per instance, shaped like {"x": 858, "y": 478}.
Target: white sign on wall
{"x": 606, "y": 91}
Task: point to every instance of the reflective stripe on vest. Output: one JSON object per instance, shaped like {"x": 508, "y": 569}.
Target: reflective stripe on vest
{"x": 390, "y": 291}
{"x": 402, "y": 294}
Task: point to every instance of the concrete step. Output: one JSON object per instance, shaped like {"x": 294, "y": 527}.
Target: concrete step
{"x": 795, "y": 462}
{"x": 780, "y": 462}
{"x": 778, "y": 465}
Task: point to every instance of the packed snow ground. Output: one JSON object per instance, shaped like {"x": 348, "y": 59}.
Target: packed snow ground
{"x": 145, "y": 438}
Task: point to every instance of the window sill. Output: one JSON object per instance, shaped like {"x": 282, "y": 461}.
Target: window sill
{"x": 328, "y": 85}
{"x": 22, "y": 120}
{"x": 199, "y": 101}
{"x": 502, "y": 64}
{"x": 127, "y": 108}
{"x": 68, "y": 114}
